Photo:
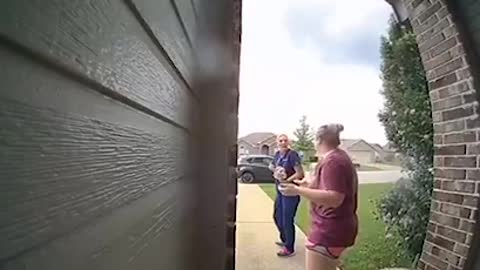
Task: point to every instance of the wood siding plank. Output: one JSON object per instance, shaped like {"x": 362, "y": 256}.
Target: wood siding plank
{"x": 71, "y": 156}
{"x": 187, "y": 16}
{"x": 100, "y": 40}
{"x": 168, "y": 30}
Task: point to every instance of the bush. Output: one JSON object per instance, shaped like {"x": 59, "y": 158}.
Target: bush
{"x": 408, "y": 125}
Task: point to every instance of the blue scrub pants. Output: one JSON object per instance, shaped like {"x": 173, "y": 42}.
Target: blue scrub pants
{"x": 284, "y": 212}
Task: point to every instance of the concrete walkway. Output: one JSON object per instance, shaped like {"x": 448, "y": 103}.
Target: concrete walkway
{"x": 256, "y": 234}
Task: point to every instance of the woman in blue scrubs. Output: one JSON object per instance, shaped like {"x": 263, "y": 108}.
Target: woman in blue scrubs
{"x": 287, "y": 166}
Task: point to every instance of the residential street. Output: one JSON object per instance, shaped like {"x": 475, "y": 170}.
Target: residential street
{"x": 367, "y": 177}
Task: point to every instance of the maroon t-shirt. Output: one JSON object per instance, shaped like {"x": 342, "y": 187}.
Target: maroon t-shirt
{"x": 335, "y": 227}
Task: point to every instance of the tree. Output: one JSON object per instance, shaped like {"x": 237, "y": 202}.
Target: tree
{"x": 304, "y": 139}
{"x": 407, "y": 119}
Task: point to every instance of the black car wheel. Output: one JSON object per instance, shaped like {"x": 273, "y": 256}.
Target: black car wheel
{"x": 248, "y": 177}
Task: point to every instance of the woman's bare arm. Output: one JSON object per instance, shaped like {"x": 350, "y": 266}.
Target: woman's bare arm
{"x": 298, "y": 175}
{"x": 327, "y": 198}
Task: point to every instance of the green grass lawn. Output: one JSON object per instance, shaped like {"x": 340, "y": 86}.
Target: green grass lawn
{"x": 373, "y": 250}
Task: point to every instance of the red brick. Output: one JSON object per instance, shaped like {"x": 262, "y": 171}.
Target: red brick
{"x": 454, "y": 89}
{"x": 467, "y": 226}
{"x": 450, "y": 173}
{"x": 443, "y": 81}
{"x": 450, "y": 31}
{"x": 455, "y": 210}
{"x": 438, "y": 28}
{"x": 464, "y": 74}
{"x": 421, "y": 265}
{"x": 440, "y": 241}
{"x": 452, "y": 267}
{"x": 431, "y": 227}
{"x": 438, "y": 161}
{"x": 448, "y": 127}
{"x": 450, "y": 150}
{"x": 473, "y": 174}
{"x": 429, "y": 12}
{"x": 473, "y": 123}
{"x": 431, "y": 42}
{"x": 443, "y": 47}
{"x": 436, "y": 118}
{"x": 470, "y": 201}
{"x": 469, "y": 98}
{"x": 473, "y": 149}
{"x": 457, "y": 113}
{"x": 436, "y": 205}
{"x": 438, "y": 60}
{"x": 448, "y": 197}
{"x": 445, "y": 220}
{"x": 445, "y": 256}
{"x": 461, "y": 249}
{"x": 442, "y": 13}
{"x": 460, "y": 162}
{"x": 461, "y": 137}
{"x": 459, "y": 186}
{"x": 416, "y": 3}
{"x": 438, "y": 139}
{"x": 435, "y": 261}
{"x": 447, "y": 103}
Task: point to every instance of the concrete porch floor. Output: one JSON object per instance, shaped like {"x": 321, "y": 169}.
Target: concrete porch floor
{"x": 256, "y": 234}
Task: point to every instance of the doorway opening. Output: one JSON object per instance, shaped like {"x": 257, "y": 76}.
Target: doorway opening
{"x": 371, "y": 155}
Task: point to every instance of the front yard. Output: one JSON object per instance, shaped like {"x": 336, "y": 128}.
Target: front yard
{"x": 373, "y": 250}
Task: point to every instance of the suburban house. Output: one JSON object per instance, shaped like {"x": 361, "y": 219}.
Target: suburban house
{"x": 257, "y": 143}
{"x": 363, "y": 152}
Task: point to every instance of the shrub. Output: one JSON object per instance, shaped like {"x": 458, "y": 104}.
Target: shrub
{"x": 408, "y": 125}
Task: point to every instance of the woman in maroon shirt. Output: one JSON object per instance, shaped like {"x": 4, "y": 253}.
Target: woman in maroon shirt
{"x": 333, "y": 195}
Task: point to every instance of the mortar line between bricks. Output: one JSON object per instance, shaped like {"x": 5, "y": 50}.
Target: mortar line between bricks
{"x": 476, "y": 195}
{"x": 445, "y": 249}
{"x": 450, "y": 228}
{"x": 447, "y": 215}
{"x": 462, "y": 206}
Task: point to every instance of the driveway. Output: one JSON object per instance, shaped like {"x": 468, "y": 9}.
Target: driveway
{"x": 368, "y": 177}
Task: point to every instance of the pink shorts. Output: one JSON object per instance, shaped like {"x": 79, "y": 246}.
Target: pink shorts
{"x": 330, "y": 252}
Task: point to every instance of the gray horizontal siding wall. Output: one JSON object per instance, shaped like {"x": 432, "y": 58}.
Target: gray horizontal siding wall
{"x": 97, "y": 103}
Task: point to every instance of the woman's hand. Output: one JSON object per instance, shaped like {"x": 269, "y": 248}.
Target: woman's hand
{"x": 288, "y": 189}
{"x": 306, "y": 181}
{"x": 271, "y": 167}
{"x": 280, "y": 174}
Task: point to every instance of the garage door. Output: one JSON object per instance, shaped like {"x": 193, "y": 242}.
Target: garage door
{"x": 363, "y": 156}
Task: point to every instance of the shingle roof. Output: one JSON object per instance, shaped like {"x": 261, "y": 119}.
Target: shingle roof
{"x": 347, "y": 143}
{"x": 257, "y": 137}
{"x": 377, "y": 147}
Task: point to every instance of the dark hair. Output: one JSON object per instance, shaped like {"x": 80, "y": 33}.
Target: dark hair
{"x": 329, "y": 134}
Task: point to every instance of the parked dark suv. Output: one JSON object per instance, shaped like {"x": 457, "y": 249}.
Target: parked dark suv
{"x": 254, "y": 169}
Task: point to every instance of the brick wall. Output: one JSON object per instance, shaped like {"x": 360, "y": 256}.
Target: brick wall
{"x": 456, "y": 126}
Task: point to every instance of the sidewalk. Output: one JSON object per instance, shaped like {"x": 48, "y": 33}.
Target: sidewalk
{"x": 256, "y": 234}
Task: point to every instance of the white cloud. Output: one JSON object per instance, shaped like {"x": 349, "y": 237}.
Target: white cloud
{"x": 279, "y": 81}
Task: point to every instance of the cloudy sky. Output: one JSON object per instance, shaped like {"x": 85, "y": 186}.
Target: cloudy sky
{"x": 318, "y": 58}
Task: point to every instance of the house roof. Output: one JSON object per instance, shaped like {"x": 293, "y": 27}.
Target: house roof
{"x": 347, "y": 143}
{"x": 377, "y": 147}
{"x": 258, "y": 137}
